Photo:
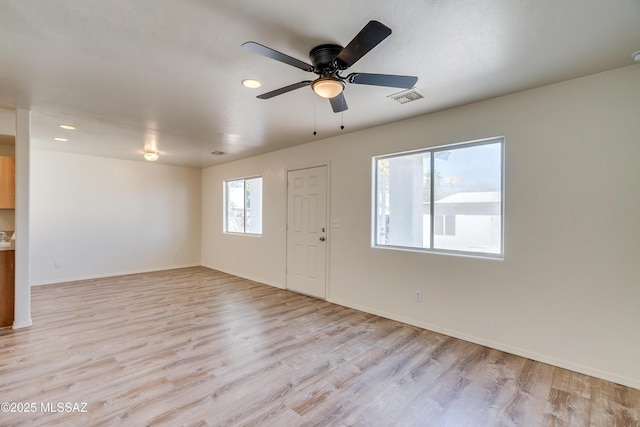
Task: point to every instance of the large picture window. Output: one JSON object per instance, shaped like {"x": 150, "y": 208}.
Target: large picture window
{"x": 243, "y": 205}
{"x": 443, "y": 199}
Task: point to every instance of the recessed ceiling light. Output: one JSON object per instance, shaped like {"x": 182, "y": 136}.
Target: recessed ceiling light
{"x": 57, "y": 138}
{"x": 67, "y": 127}
{"x": 251, "y": 84}
{"x": 152, "y": 156}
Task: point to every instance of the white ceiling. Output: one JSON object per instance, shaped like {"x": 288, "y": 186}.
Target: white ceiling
{"x": 167, "y": 72}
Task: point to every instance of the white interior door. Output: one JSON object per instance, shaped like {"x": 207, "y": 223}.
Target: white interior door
{"x": 306, "y": 231}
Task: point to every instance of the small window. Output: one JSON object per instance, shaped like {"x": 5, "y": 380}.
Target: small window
{"x": 443, "y": 199}
{"x": 243, "y": 205}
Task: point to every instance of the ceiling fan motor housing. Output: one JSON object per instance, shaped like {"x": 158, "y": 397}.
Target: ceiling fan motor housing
{"x": 323, "y": 58}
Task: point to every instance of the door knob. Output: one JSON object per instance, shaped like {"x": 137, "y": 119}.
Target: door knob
{"x": 322, "y": 239}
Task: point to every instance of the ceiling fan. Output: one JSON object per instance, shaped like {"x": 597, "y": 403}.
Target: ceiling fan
{"x": 330, "y": 60}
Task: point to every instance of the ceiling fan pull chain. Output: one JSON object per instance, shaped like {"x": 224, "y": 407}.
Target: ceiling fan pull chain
{"x": 314, "y": 115}
{"x": 342, "y": 116}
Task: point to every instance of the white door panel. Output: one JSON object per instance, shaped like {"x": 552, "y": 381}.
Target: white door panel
{"x": 306, "y": 231}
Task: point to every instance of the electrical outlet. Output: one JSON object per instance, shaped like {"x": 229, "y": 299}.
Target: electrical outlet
{"x": 418, "y": 296}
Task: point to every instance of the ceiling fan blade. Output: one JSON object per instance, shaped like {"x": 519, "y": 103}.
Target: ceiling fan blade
{"x": 390, "y": 80}
{"x": 284, "y": 89}
{"x": 278, "y": 56}
{"x": 368, "y": 38}
{"x": 339, "y": 103}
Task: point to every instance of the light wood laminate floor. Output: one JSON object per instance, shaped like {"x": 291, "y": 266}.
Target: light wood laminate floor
{"x": 199, "y": 347}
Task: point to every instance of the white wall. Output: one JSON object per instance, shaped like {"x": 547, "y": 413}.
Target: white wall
{"x": 568, "y": 289}
{"x": 101, "y": 217}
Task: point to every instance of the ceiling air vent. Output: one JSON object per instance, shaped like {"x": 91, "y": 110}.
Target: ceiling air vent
{"x": 407, "y": 96}
{"x": 218, "y": 153}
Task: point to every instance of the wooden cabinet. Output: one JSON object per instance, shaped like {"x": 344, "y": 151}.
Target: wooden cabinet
{"x": 7, "y": 286}
{"x": 7, "y": 183}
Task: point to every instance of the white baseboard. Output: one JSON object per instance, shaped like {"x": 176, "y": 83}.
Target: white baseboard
{"x": 112, "y": 274}
{"x": 560, "y": 363}
{"x": 23, "y": 324}
{"x": 605, "y": 375}
{"x": 245, "y": 276}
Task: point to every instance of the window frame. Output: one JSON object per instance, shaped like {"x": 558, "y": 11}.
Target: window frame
{"x": 225, "y": 212}
{"x": 432, "y": 153}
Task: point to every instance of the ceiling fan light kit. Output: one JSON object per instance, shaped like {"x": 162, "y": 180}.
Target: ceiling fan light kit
{"x": 328, "y": 87}
{"x": 330, "y": 60}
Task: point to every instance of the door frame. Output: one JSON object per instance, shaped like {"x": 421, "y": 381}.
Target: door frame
{"x": 328, "y": 219}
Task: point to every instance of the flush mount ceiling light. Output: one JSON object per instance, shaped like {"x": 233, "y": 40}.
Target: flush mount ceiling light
{"x": 67, "y": 127}
{"x": 251, "y": 83}
{"x": 57, "y": 138}
{"x": 328, "y": 87}
{"x": 152, "y": 156}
